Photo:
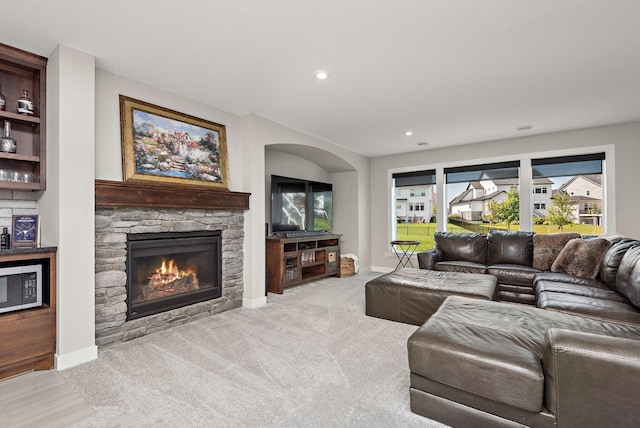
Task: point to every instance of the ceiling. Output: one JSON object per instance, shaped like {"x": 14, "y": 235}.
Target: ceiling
{"x": 452, "y": 71}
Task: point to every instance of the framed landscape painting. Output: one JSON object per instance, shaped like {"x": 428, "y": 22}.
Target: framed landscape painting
{"x": 162, "y": 145}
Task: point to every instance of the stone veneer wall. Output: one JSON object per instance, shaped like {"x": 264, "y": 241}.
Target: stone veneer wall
{"x": 113, "y": 225}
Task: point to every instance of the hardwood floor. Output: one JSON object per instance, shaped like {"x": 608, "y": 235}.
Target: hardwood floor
{"x": 40, "y": 399}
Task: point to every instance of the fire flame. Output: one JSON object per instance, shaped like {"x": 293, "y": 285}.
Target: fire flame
{"x": 169, "y": 271}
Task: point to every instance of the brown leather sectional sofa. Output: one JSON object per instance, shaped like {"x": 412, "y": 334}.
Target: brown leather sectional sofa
{"x": 572, "y": 361}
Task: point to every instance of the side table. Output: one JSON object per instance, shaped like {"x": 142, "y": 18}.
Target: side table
{"x": 404, "y": 250}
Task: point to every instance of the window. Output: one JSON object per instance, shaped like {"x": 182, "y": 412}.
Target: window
{"x": 483, "y": 197}
{"x": 415, "y": 224}
{"x": 571, "y": 176}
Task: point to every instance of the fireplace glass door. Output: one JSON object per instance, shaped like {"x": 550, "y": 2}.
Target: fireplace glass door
{"x": 173, "y": 269}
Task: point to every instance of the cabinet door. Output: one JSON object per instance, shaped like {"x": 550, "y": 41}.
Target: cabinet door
{"x": 291, "y": 268}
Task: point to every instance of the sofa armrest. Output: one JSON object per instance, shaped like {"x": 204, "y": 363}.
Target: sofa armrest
{"x": 428, "y": 259}
{"x": 591, "y": 380}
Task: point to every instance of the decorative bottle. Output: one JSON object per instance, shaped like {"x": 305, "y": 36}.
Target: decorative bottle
{"x": 7, "y": 144}
{"x": 25, "y": 105}
{"x": 3, "y": 101}
{"x": 5, "y": 239}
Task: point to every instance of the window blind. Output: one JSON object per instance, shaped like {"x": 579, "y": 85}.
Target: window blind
{"x": 567, "y": 165}
{"x": 487, "y": 171}
{"x": 415, "y": 178}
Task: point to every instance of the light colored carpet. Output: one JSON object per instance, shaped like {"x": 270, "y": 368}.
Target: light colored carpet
{"x": 310, "y": 358}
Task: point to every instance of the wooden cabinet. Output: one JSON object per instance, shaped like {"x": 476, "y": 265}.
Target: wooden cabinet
{"x": 292, "y": 261}
{"x": 21, "y": 70}
{"x": 28, "y": 336}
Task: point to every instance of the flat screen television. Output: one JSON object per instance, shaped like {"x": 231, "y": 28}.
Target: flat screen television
{"x": 298, "y": 204}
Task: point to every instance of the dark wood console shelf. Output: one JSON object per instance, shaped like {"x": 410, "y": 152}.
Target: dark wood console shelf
{"x": 292, "y": 261}
{"x": 28, "y": 337}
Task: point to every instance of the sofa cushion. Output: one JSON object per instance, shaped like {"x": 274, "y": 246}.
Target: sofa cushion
{"x": 460, "y": 266}
{"x": 628, "y": 279}
{"x": 468, "y": 247}
{"x": 569, "y": 279}
{"x": 546, "y": 248}
{"x": 581, "y": 257}
{"x": 612, "y": 258}
{"x": 513, "y": 274}
{"x": 506, "y": 247}
{"x": 593, "y": 308}
{"x": 604, "y": 293}
{"x": 494, "y": 349}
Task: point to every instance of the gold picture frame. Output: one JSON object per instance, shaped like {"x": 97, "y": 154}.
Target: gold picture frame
{"x": 166, "y": 146}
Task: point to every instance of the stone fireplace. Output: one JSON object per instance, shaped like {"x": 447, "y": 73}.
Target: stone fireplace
{"x": 122, "y": 314}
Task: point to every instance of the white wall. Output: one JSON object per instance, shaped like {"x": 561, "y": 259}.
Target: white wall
{"x": 622, "y": 174}
{"x": 348, "y": 221}
{"x": 67, "y": 206}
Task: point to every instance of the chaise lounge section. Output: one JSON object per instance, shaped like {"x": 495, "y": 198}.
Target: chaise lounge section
{"x": 482, "y": 363}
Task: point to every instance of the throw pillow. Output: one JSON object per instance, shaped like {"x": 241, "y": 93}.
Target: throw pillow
{"x": 581, "y": 257}
{"x": 547, "y": 247}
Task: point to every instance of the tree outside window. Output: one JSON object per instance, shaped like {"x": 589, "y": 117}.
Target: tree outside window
{"x": 561, "y": 211}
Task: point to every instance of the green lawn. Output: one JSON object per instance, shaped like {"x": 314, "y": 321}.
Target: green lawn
{"x": 583, "y": 229}
{"x": 423, "y": 232}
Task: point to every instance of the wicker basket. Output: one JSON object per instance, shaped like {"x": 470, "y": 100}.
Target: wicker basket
{"x": 347, "y": 267}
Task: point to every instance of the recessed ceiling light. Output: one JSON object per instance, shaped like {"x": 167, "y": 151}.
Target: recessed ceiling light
{"x": 422, "y": 143}
{"x": 322, "y": 75}
{"x": 524, "y": 127}
{"x": 408, "y": 133}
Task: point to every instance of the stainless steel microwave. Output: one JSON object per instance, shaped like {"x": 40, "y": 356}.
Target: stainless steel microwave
{"x": 20, "y": 287}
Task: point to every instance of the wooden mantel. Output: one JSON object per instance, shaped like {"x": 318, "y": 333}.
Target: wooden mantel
{"x": 145, "y": 194}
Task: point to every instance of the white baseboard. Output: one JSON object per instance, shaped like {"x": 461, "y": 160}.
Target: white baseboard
{"x": 75, "y": 358}
{"x": 254, "y": 303}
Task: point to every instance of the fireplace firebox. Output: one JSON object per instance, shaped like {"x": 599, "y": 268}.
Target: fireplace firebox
{"x": 168, "y": 270}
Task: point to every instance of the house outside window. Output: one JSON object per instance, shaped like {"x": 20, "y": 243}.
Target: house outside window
{"x": 418, "y": 189}
{"x": 477, "y": 193}
{"x": 572, "y": 176}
